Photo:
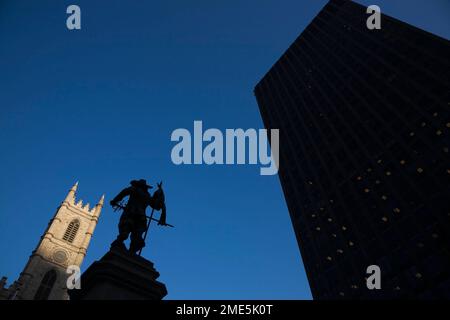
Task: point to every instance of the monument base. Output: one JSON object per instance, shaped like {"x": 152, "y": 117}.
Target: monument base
{"x": 120, "y": 275}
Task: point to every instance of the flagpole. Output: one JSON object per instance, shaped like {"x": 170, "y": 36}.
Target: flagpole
{"x": 148, "y": 226}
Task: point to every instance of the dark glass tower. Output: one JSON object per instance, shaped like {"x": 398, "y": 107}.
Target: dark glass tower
{"x": 364, "y": 153}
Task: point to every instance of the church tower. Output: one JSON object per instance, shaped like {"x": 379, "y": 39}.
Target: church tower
{"x": 63, "y": 244}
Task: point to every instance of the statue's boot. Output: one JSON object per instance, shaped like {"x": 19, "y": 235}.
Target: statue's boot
{"x": 118, "y": 243}
{"x": 136, "y": 245}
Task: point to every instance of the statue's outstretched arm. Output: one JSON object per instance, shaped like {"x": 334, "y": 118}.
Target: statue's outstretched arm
{"x": 125, "y": 192}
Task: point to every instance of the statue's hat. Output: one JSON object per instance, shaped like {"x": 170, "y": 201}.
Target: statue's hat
{"x": 142, "y": 183}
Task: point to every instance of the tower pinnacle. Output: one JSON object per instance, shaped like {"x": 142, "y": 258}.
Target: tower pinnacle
{"x": 102, "y": 200}
{"x": 99, "y": 206}
{"x": 70, "y": 198}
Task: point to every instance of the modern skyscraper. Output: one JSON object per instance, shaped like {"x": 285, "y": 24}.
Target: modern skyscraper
{"x": 364, "y": 119}
{"x": 63, "y": 244}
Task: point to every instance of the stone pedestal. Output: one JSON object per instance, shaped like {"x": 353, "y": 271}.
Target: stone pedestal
{"x": 119, "y": 275}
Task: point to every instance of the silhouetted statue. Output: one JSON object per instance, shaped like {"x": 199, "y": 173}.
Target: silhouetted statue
{"x": 133, "y": 219}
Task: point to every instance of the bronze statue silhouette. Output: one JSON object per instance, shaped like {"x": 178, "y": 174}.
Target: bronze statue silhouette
{"x": 133, "y": 219}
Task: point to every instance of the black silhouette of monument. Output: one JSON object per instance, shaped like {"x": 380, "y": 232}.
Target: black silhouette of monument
{"x": 122, "y": 274}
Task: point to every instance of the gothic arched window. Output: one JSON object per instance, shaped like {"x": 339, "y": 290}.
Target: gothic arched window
{"x": 71, "y": 231}
{"x": 46, "y": 285}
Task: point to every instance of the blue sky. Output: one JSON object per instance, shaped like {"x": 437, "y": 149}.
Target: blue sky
{"x": 98, "y": 106}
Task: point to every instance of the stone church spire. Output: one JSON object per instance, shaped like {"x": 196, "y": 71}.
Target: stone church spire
{"x": 89, "y": 230}
{"x": 99, "y": 206}
{"x": 63, "y": 244}
{"x": 70, "y": 198}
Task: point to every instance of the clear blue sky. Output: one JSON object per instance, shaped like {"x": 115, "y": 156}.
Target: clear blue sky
{"x": 99, "y": 105}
